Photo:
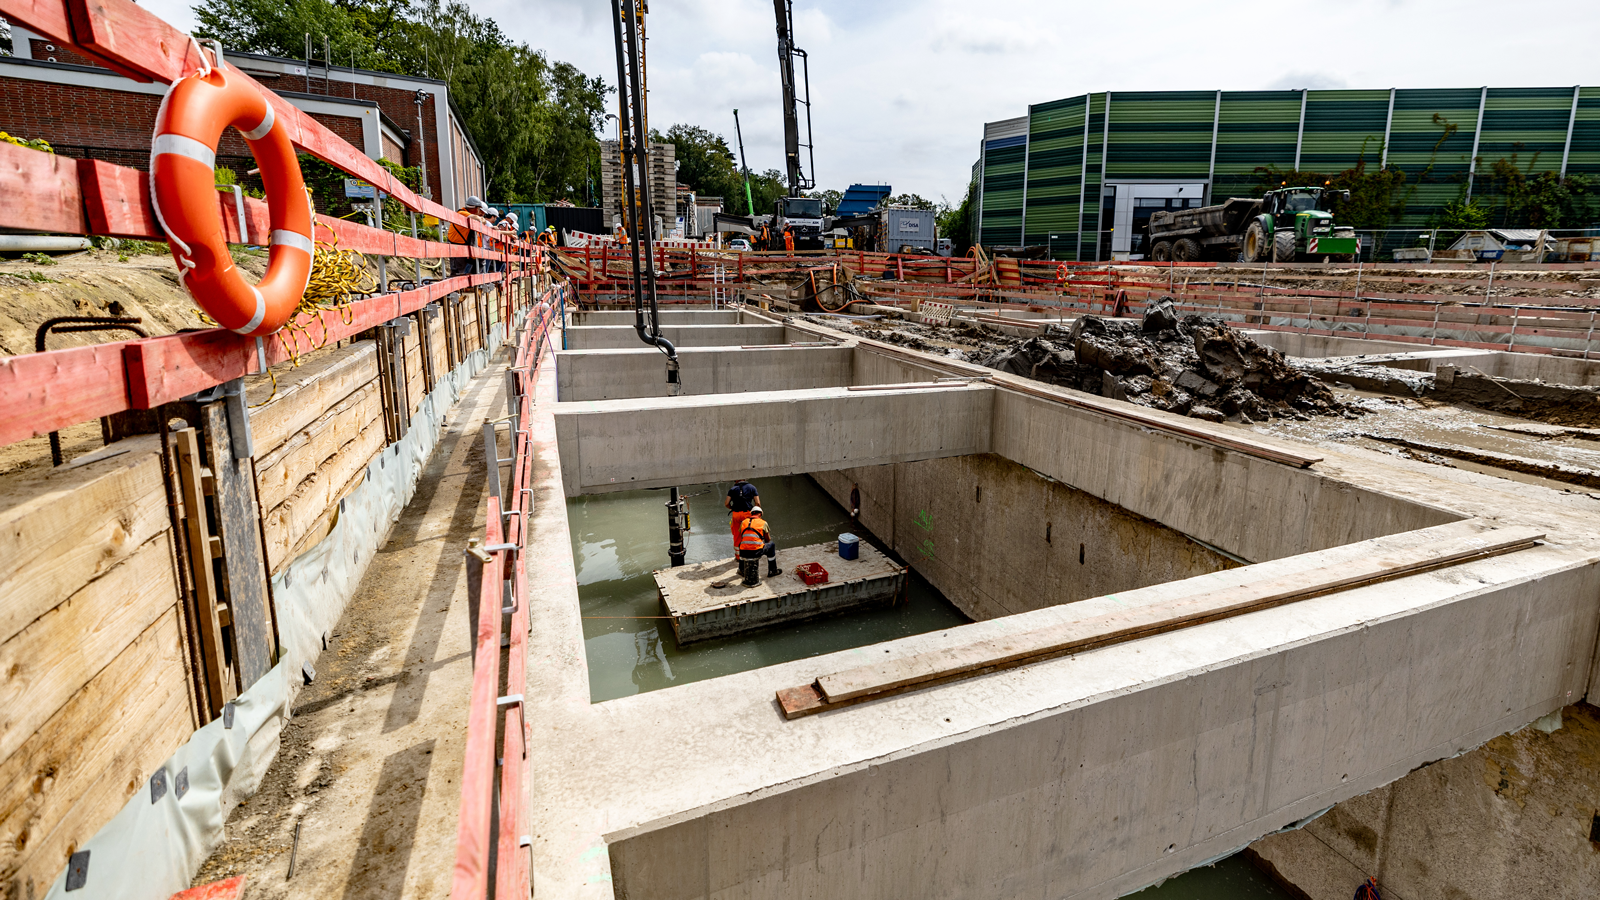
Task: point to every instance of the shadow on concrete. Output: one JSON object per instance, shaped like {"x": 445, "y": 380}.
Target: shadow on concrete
{"x": 465, "y": 522}
{"x": 384, "y": 851}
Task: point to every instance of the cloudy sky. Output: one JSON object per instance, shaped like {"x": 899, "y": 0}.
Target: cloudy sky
{"x": 901, "y": 90}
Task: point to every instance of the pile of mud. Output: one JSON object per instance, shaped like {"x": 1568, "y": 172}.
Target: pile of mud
{"x": 1195, "y": 366}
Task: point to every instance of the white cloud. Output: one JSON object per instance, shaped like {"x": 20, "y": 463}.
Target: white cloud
{"x": 902, "y": 90}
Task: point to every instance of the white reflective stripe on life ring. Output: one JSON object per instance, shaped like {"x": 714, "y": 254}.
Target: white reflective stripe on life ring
{"x": 179, "y": 145}
{"x": 293, "y": 239}
{"x": 261, "y": 313}
{"x": 260, "y": 131}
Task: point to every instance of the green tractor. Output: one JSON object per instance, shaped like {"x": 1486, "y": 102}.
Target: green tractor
{"x": 1296, "y": 224}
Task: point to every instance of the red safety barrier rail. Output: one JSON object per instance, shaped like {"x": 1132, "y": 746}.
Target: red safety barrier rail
{"x": 43, "y": 192}
{"x": 485, "y": 812}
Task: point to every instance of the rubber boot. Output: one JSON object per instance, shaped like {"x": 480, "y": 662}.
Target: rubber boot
{"x": 751, "y": 570}
{"x": 772, "y": 568}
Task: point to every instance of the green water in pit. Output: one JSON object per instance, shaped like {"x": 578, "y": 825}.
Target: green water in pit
{"x": 619, "y": 539}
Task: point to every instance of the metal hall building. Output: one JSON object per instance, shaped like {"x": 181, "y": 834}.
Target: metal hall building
{"x": 1080, "y": 176}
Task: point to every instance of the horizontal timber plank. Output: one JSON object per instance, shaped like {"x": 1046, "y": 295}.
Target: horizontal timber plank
{"x": 926, "y": 669}
{"x": 62, "y": 528}
{"x": 124, "y": 723}
{"x": 308, "y": 450}
{"x": 314, "y": 496}
{"x": 46, "y": 663}
{"x": 305, "y": 393}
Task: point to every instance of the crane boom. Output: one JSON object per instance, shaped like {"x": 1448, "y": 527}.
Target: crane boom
{"x": 799, "y": 182}
{"x": 744, "y": 169}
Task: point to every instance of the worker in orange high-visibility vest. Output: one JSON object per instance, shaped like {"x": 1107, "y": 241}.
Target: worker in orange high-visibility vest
{"x": 788, "y": 239}
{"x": 755, "y": 541}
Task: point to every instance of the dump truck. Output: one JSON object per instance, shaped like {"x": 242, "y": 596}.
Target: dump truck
{"x": 1286, "y": 225}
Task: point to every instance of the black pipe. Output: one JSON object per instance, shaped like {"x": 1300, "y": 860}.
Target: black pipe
{"x": 633, "y": 149}
{"x": 675, "y": 549}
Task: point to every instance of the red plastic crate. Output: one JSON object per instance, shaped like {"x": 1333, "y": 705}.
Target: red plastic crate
{"x": 811, "y": 573}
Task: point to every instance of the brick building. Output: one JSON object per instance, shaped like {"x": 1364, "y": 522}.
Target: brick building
{"x": 89, "y": 112}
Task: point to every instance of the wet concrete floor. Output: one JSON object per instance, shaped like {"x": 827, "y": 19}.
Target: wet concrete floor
{"x": 619, "y": 539}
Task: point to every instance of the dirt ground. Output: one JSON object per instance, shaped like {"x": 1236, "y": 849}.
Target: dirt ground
{"x": 367, "y": 771}
{"x": 98, "y": 283}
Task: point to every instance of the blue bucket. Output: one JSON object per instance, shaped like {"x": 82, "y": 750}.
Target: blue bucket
{"x": 849, "y": 546}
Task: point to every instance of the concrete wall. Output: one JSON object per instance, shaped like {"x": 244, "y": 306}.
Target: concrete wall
{"x": 1182, "y": 748}
{"x": 997, "y": 538}
{"x": 623, "y": 337}
{"x": 1253, "y": 508}
{"x": 629, "y": 374}
{"x": 668, "y": 317}
{"x": 618, "y": 445}
{"x": 1317, "y": 346}
{"x": 873, "y": 367}
{"x": 1513, "y": 818}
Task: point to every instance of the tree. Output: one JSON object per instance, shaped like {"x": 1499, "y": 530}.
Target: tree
{"x": 534, "y": 121}
{"x": 705, "y": 163}
{"x": 955, "y": 223}
{"x": 830, "y": 200}
{"x": 1538, "y": 199}
{"x": 915, "y": 201}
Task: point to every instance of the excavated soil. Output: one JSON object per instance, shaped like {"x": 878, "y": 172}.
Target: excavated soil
{"x": 98, "y": 283}
{"x": 1196, "y": 366}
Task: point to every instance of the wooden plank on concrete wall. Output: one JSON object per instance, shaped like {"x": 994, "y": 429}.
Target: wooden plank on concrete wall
{"x": 1453, "y": 543}
{"x": 73, "y": 774}
{"x": 62, "y": 528}
{"x": 49, "y": 661}
{"x": 244, "y": 570}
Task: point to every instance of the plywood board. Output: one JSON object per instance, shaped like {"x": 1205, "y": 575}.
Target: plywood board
{"x": 44, "y": 665}
{"x": 64, "y": 527}
{"x": 126, "y": 720}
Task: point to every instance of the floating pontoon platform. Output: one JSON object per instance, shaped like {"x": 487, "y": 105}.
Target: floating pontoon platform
{"x": 701, "y": 609}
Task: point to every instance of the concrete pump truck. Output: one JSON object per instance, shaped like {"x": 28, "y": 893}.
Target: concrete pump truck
{"x": 796, "y": 220}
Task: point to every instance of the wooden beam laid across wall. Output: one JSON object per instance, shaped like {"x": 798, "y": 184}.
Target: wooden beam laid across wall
{"x": 1458, "y": 542}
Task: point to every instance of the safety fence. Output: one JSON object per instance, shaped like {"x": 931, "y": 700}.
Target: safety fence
{"x": 491, "y": 836}
{"x": 1562, "y": 325}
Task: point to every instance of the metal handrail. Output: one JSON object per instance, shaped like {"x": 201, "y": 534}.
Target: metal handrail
{"x": 491, "y": 835}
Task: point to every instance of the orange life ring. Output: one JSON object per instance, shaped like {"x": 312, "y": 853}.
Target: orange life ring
{"x": 1061, "y": 274}
{"x": 183, "y": 192}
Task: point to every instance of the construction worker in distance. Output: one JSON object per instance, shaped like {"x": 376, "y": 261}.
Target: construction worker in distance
{"x": 788, "y": 239}
{"x": 755, "y": 541}
{"x": 742, "y": 498}
{"x": 460, "y": 234}
{"x": 547, "y": 237}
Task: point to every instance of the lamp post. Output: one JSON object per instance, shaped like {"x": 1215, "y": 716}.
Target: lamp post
{"x": 1050, "y": 246}
{"x": 422, "y": 146}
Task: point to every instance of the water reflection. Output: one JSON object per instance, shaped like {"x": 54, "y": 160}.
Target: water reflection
{"x": 619, "y": 539}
